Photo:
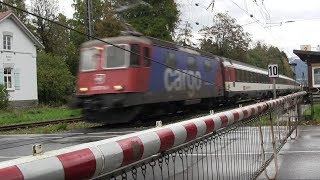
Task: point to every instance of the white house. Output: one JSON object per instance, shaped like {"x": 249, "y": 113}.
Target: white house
{"x": 18, "y": 67}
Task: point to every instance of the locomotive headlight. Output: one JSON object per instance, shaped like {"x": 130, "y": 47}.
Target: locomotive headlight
{"x": 83, "y": 89}
{"x": 118, "y": 87}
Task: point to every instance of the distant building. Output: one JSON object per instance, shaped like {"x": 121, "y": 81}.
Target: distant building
{"x": 18, "y": 67}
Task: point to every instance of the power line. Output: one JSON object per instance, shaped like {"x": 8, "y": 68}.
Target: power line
{"x": 250, "y": 15}
{"x": 95, "y": 38}
{"x": 253, "y": 17}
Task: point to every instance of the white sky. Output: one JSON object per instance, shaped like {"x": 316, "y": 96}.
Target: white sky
{"x": 286, "y": 37}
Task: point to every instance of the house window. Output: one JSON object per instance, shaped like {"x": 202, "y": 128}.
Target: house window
{"x": 7, "y": 42}
{"x": 8, "y": 78}
{"x": 316, "y": 76}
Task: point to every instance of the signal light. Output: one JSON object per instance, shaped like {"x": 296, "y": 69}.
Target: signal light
{"x": 83, "y": 89}
{"x": 118, "y": 87}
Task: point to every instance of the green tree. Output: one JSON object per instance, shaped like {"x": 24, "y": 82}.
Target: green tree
{"x": 262, "y": 55}
{"x": 108, "y": 25}
{"x": 56, "y": 39}
{"x": 184, "y": 34}
{"x": 17, "y": 3}
{"x": 43, "y": 29}
{"x": 158, "y": 19}
{"x": 225, "y": 38}
{"x": 55, "y": 82}
{"x": 105, "y": 23}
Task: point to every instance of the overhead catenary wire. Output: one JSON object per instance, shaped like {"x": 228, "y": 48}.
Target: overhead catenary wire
{"x": 257, "y": 21}
{"x": 245, "y": 11}
{"x": 95, "y": 38}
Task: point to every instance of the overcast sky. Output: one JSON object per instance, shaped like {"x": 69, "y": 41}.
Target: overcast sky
{"x": 286, "y": 37}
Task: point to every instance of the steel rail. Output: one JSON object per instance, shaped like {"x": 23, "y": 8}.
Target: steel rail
{"x": 38, "y": 124}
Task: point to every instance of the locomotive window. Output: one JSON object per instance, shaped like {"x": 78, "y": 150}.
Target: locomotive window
{"x": 191, "y": 63}
{"x": 88, "y": 59}
{"x": 170, "y": 59}
{"x": 134, "y": 57}
{"x": 115, "y": 57}
{"x": 146, "y": 54}
{"x": 207, "y": 65}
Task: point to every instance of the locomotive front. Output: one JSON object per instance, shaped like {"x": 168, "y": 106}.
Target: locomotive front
{"x": 112, "y": 78}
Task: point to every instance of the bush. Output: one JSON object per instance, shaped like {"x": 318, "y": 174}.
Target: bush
{"x": 4, "y": 97}
{"x": 55, "y": 82}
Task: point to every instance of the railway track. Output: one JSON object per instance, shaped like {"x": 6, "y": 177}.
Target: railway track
{"x": 167, "y": 119}
{"x": 38, "y": 124}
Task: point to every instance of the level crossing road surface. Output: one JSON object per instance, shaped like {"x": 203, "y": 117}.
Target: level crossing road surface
{"x": 298, "y": 159}
{"x": 18, "y": 145}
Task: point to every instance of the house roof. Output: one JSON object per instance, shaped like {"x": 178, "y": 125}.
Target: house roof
{"x": 9, "y": 14}
{"x": 307, "y": 55}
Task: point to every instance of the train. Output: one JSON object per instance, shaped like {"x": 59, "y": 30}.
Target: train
{"x": 128, "y": 76}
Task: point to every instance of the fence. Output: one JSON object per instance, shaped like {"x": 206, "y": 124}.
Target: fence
{"x": 236, "y": 144}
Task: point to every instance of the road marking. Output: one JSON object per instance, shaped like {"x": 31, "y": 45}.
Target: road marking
{"x": 10, "y": 157}
{"x": 232, "y": 154}
{"x": 77, "y": 137}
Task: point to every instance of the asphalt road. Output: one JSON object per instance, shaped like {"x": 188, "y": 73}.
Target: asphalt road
{"x": 15, "y": 146}
{"x": 299, "y": 158}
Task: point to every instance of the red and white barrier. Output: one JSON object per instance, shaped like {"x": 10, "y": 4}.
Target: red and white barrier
{"x": 90, "y": 160}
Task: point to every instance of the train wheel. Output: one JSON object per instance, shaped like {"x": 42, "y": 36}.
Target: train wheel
{"x": 113, "y": 116}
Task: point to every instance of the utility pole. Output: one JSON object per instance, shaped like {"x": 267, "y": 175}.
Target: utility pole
{"x": 88, "y": 21}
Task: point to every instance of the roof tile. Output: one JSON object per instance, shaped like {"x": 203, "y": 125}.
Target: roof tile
{"x": 4, "y": 14}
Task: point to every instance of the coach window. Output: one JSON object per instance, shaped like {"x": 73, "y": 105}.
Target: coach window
{"x": 238, "y": 75}
{"x": 135, "y": 54}
{"x": 242, "y": 76}
{"x": 266, "y": 79}
{"x": 146, "y": 53}
{"x": 191, "y": 63}
{"x": 207, "y": 65}
{"x": 236, "y": 71}
{"x": 170, "y": 59}
{"x": 252, "y": 76}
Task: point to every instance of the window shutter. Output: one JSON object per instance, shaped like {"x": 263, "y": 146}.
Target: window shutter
{"x": 1, "y": 76}
{"x": 17, "y": 79}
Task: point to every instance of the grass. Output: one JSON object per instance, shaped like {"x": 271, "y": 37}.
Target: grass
{"x": 53, "y": 128}
{"x": 41, "y": 113}
{"x": 316, "y": 118}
